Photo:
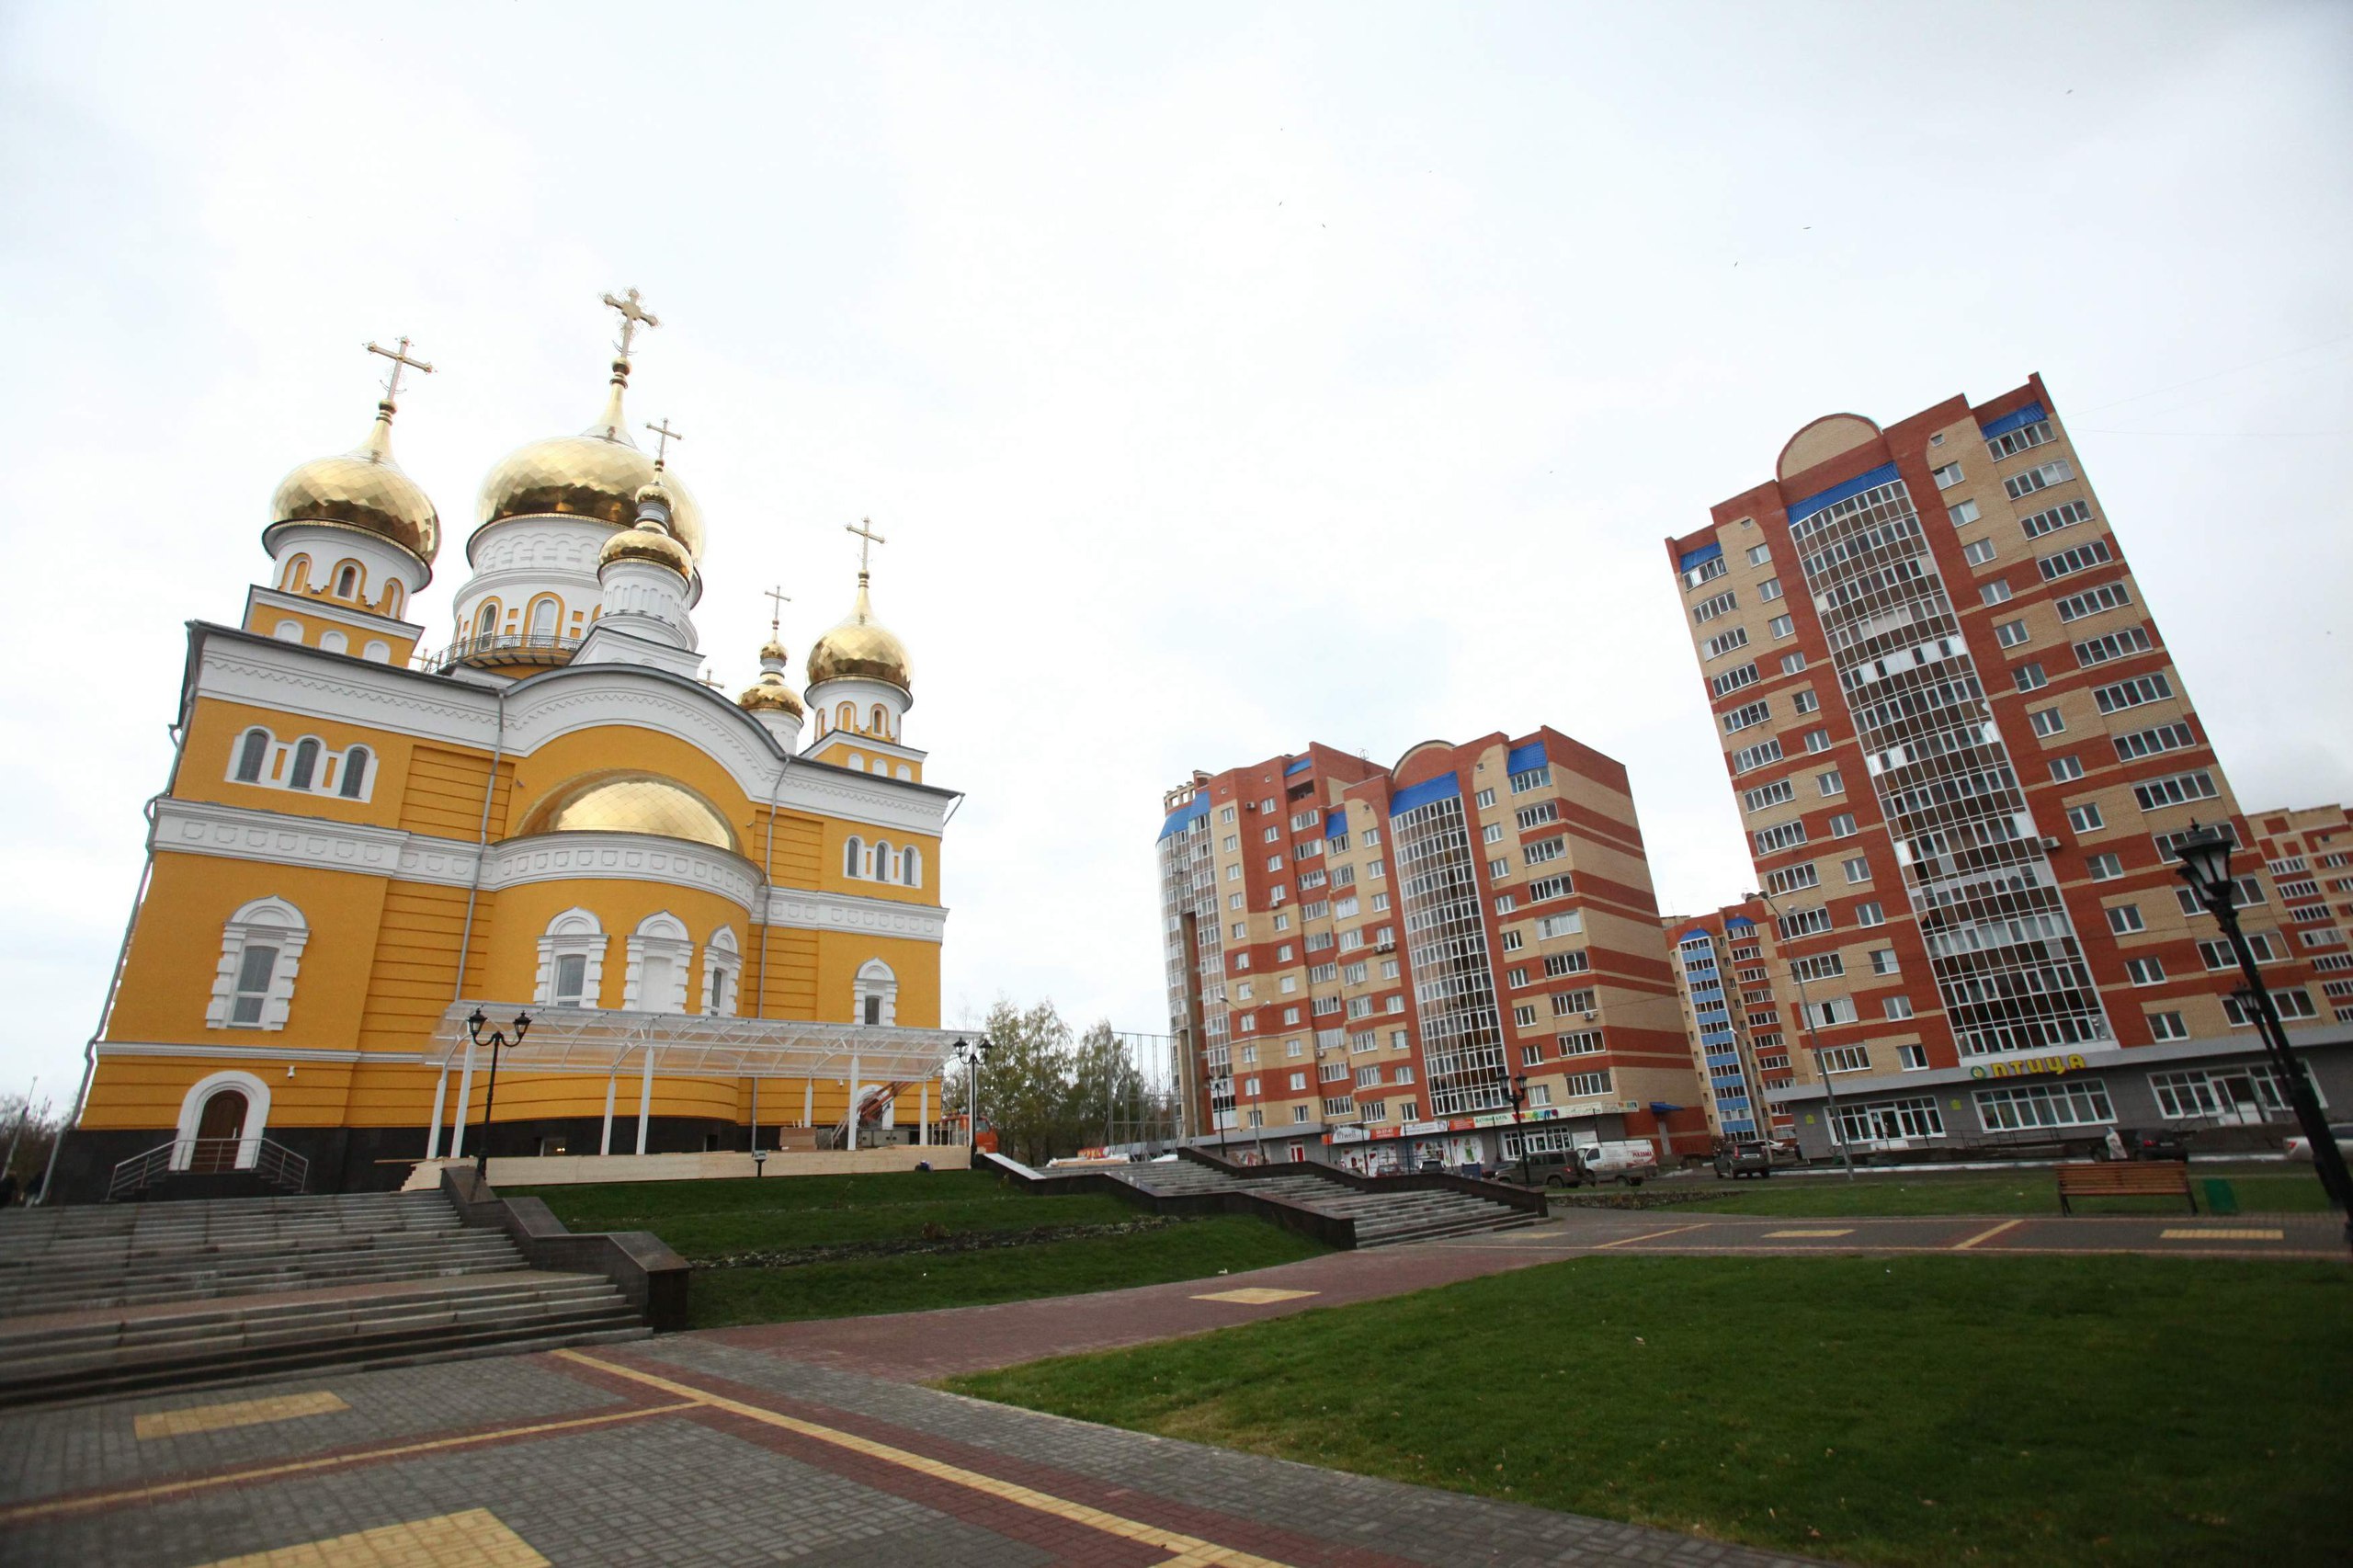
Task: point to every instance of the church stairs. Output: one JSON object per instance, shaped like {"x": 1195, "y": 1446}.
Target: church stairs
{"x": 105, "y": 1299}
{"x": 1381, "y": 1218}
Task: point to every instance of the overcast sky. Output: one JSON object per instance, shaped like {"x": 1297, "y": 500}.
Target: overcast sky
{"x": 1223, "y": 378}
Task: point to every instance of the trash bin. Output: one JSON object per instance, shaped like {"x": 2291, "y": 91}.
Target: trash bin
{"x": 2221, "y": 1197}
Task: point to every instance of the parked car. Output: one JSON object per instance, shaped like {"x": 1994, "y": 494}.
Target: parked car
{"x": 2153, "y": 1144}
{"x": 1737, "y": 1157}
{"x": 2300, "y": 1147}
{"x": 1549, "y": 1167}
{"x": 1626, "y": 1161}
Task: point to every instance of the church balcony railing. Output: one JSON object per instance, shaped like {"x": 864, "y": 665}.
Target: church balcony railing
{"x": 504, "y": 648}
{"x": 605, "y": 1042}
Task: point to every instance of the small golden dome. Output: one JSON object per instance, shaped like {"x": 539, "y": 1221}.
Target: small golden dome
{"x": 362, "y": 489}
{"x": 629, "y": 803}
{"x": 769, "y": 694}
{"x": 596, "y": 473}
{"x": 772, "y": 649}
{"x": 647, "y": 541}
{"x": 861, "y": 647}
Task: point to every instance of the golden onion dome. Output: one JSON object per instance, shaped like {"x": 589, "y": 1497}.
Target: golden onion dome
{"x": 769, "y": 694}
{"x": 362, "y": 489}
{"x": 772, "y": 649}
{"x": 629, "y": 803}
{"x": 596, "y": 473}
{"x": 647, "y": 541}
{"x": 861, "y": 648}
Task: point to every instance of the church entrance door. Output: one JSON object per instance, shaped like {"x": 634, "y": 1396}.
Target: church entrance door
{"x": 219, "y": 1132}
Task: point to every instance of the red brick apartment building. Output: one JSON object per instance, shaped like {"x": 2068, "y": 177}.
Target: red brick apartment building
{"x": 1365, "y": 962}
{"x": 1963, "y": 753}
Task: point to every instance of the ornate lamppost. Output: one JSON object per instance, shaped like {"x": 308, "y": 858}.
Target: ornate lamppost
{"x": 490, "y": 1096}
{"x": 969, "y": 1053}
{"x": 2204, "y": 857}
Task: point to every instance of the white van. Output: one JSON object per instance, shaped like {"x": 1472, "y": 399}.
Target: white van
{"x": 1626, "y": 1161}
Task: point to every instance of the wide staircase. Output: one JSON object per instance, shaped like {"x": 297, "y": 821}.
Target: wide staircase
{"x": 1382, "y": 1218}
{"x": 120, "y": 1297}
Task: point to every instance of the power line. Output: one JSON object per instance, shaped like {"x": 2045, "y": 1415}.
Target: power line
{"x": 2212, "y": 375}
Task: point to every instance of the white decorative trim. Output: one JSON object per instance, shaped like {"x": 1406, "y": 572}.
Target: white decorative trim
{"x": 325, "y": 608}
{"x": 236, "y": 833}
{"x": 257, "y": 1094}
{"x": 839, "y": 911}
{"x": 664, "y": 936}
{"x": 722, "y": 956}
{"x": 270, "y": 920}
{"x": 875, "y": 979}
{"x": 575, "y": 931}
{"x": 216, "y": 1051}
{"x": 620, "y": 857}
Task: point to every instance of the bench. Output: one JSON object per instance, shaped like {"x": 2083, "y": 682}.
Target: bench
{"x": 2155, "y": 1179}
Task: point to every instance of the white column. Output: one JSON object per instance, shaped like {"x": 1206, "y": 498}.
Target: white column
{"x": 440, "y": 1103}
{"x": 605, "y": 1144}
{"x": 646, "y": 1101}
{"x": 853, "y": 1099}
{"x": 922, "y": 1125}
{"x": 465, "y": 1098}
{"x": 755, "y": 1111}
{"x": 808, "y": 1102}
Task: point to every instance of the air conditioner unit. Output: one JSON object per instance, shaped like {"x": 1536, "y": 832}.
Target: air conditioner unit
{"x": 2049, "y": 842}
{"x": 1591, "y": 1017}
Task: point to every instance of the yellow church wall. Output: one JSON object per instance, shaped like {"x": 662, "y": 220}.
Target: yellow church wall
{"x": 414, "y": 976}
{"x": 794, "y": 851}
{"x": 147, "y": 1091}
{"x": 175, "y": 951}
{"x": 781, "y": 979}
{"x": 444, "y": 793}
{"x": 916, "y": 963}
{"x": 216, "y": 728}
{"x": 609, "y": 747}
{"x": 831, "y": 859}
{"x": 399, "y": 646}
{"x": 510, "y": 971}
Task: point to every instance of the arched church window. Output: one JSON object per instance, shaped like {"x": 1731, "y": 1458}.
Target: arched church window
{"x": 251, "y": 752}
{"x": 853, "y": 855}
{"x": 261, "y": 948}
{"x": 392, "y": 599}
{"x": 306, "y": 766}
{"x": 846, "y": 716}
{"x": 487, "y": 622}
{"x": 297, "y": 576}
{"x": 911, "y": 867}
{"x": 544, "y": 616}
{"x": 881, "y": 859}
{"x": 355, "y": 772}
{"x": 347, "y": 582}
{"x": 881, "y": 721}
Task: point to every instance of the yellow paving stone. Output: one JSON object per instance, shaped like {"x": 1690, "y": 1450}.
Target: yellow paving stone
{"x": 2202, "y": 1233}
{"x": 236, "y": 1413}
{"x": 1255, "y": 1295}
{"x": 475, "y": 1537}
{"x": 1776, "y": 1235}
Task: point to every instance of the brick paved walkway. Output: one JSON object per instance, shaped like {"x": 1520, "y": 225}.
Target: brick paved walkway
{"x": 690, "y": 1449}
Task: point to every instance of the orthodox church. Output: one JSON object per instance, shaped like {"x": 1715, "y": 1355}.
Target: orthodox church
{"x": 720, "y": 915}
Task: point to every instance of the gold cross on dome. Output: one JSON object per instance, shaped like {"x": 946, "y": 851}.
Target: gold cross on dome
{"x": 869, "y": 538}
{"x": 662, "y": 437}
{"x": 398, "y": 355}
{"x": 634, "y": 315}
{"x": 778, "y": 598}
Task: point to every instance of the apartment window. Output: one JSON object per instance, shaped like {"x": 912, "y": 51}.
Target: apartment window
{"x": 2153, "y": 742}
{"x": 1883, "y": 960}
{"x": 1996, "y": 592}
{"x": 1769, "y": 589}
{"x": 1817, "y": 740}
{"x": 2010, "y": 634}
{"x": 1912, "y": 1057}
{"x": 1513, "y": 941}
{"x": 1748, "y": 758}
{"x": 2177, "y": 791}
{"x": 2124, "y": 919}
{"x": 2084, "y": 818}
{"x": 1843, "y": 825}
{"x": 1743, "y": 718}
{"x": 1869, "y": 914}
{"x": 1776, "y": 793}
{"x": 1804, "y": 701}
{"x": 1823, "y": 966}
{"x": 1498, "y": 870}
{"x": 1492, "y": 834}
{"x": 1758, "y": 555}
{"x": 1896, "y": 1007}
{"x": 1505, "y": 902}
{"x": 1558, "y": 964}
{"x": 2144, "y": 971}
{"x": 2066, "y": 769}
{"x": 1551, "y": 925}
{"x": 1225, "y": 815}
{"x": 1773, "y": 840}
{"x": 1963, "y": 514}
{"x": 2290, "y": 1002}
{"x": 1858, "y": 870}
{"x": 1486, "y": 798}
{"x": 2106, "y": 868}
{"x": 2094, "y": 601}
{"x": 2133, "y": 693}
{"x": 2011, "y": 443}
{"x": 1584, "y": 1085}
{"x": 2067, "y": 562}
{"x": 1524, "y": 1015}
{"x": 1978, "y": 553}
{"x": 2218, "y": 955}
{"x": 1534, "y": 779}
{"x": 1790, "y": 879}
{"x": 1793, "y": 663}
{"x": 1708, "y": 610}
{"x": 1781, "y": 626}
{"x": 1830, "y": 783}
{"x": 2048, "y": 720}
{"x": 2021, "y": 485}
{"x": 1717, "y": 647}
{"x": 1946, "y": 476}
{"x": 1583, "y": 1042}
{"x": 1732, "y": 680}
{"x": 1845, "y": 1058}
{"x": 2029, "y": 677}
{"x": 2168, "y": 1026}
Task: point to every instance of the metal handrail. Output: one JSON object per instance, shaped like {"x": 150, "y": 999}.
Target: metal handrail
{"x": 273, "y": 1163}
{"x": 501, "y": 643}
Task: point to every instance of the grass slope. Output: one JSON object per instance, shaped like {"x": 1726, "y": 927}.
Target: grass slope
{"x": 1983, "y": 1410}
{"x": 2263, "y": 1191}
{"x": 712, "y": 1219}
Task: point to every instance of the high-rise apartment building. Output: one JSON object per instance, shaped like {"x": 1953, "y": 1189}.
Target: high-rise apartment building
{"x": 1725, "y": 963}
{"x": 2309, "y": 855}
{"x": 1365, "y": 964}
{"x": 1963, "y": 756}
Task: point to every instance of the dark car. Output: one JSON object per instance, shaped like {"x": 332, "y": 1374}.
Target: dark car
{"x": 2153, "y": 1144}
{"x": 1549, "y": 1167}
{"x": 1739, "y": 1157}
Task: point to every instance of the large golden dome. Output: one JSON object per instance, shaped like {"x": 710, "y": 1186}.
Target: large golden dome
{"x": 596, "y": 473}
{"x": 362, "y": 489}
{"x": 629, "y": 803}
{"x": 861, "y": 647}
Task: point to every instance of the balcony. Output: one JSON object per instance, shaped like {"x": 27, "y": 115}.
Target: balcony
{"x": 504, "y": 648}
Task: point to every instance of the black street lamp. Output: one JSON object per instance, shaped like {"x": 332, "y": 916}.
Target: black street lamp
{"x": 967, "y": 1054}
{"x": 1518, "y": 1092}
{"x": 490, "y": 1096}
{"x": 2204, "y": 854}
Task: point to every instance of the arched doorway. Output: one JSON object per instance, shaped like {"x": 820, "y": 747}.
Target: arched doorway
{"x": 220, "y": 1132}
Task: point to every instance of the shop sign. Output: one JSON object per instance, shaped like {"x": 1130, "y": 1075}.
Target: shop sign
{"x": 1417, "y": 1129}
{"x": 2029, "y": 1066}
{"x": 1347, "y": 1135}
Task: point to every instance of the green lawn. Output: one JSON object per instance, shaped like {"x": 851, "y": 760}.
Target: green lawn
{"x": 1935, "y": 1410}
{"x": 707, "y": 1219}
{"x": 1187, "y": 1250}
{"x": 2261, "y": 1190}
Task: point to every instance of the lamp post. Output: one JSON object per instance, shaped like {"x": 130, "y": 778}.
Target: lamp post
{"x": 1813, "y": 1043}
{"x": 2204, "y": 857}
{"x": 967, "y": 1054}
{"x": 490, "y": 1096}
{"x": 1518, "y": 1092}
